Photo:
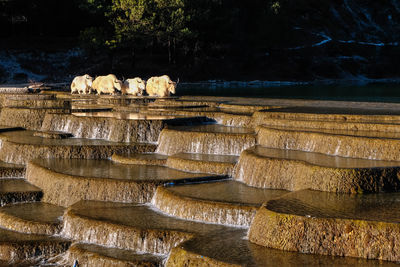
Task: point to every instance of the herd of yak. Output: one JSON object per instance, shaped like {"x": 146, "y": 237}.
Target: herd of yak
{"x": 155, "y": 86}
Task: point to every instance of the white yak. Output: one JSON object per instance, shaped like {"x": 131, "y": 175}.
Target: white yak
{"x": 160, "y": 86}
{"x": 107, "y": 84}
{"x": 135, "y": 86}
{"x": 81, "y": 84}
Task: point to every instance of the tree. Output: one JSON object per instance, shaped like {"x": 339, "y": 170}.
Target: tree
{"x": 143, "y": 22}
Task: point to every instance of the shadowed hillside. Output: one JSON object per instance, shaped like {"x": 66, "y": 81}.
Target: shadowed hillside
{"x": 211, "y": 39}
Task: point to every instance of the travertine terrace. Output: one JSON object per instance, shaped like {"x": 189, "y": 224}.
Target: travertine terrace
{"x": 197, "y": 181}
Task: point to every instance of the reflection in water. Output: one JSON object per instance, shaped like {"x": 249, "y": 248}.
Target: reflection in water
{"x": 372, "y": 207}
{"x": 231, "y": 246}
{"x": 108, "y": 169}
{"x": 27, "y": 137}
{"x": 16, "y": 185}
{"x": 138, "y": 216}
{"x": 35, "y": 212}
{"x": 227, "y": 191}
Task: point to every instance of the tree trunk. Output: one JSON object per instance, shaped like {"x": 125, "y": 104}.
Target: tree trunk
{"x": 169, "y": 50}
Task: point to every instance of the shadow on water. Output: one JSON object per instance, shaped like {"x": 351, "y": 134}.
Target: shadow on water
{"x": 372, "y": 92}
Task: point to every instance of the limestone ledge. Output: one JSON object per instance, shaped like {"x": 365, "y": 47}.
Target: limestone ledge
{"x": 331, "y": 125}
{"x": 173, "y": 102}
{"x": 281, "y": 173}
{"x": 200, "y": 166}
{"x": 326, "y": 236}
{"x": 245, "y": 108}
{"x": 111, "y": 129}
{"x": 52, "y": 135}
{"x": 16, "y": 248}
{"x": 64, "y": 190}
{"x": 21, "y": 225}
{"x": 330, "y": 144}
{"x": 17, "y": 171}
{"x": 203, "y": 210}
{"x": 227, "y": 119}
{"x": 96, "y": 257}
{"x": 36, "y": 103}
{"x": 20, "y": 153}
{"x": 139, "y": 160}
{"x": 28, "y": 118}
{"x": 173, "y": 141}
{"x": 103, "y": 232}
{"x": 261, "y": 116}
{"x": 181, "y": 257}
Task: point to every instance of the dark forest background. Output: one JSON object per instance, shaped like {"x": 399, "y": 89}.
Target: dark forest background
{"x": 208, "y": 39}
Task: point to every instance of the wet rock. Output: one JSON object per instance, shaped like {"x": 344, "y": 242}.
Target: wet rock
{"x": 13, "y": 102}
{"x": 315, "y": 222}
{"x": 129, "y": 226}
{"x": 227, "y": 202}
{"x": 18, "y": 190}
{"x": 244, "y": 108}
{"x": 92, "y": 255}
{"x": 21, "y": 147}
{"x": 366, "y": 145}
{"x": 16, "y": 247}
{"x": 112, "y": 126}
{"x": 203, "y": 163}
{"x": 377, "y": 126}
{"x": 140, "y": 159}
{"x": 209, "y": 139}
{"x": 8, "y": 170}
{"x": 231, "y": 248}
{"x": 28, "y": 118}
{"x": 183, "y": 103}
{"x": 295, "y": 170}
{"x": 52, "y": 135}
{"x": 348, "y": 113}
{"x": 32, "y": 218}
{"x": 65, "y": 182}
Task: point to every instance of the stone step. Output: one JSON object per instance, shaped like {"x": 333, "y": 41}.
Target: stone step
{"x": 52, "y": 134}
{"x": 183, "y": 103}
{"x": 232, "y": 248}
{"x": 205, "y": 139}
{"x": 36, "y": 103}
{"x": 295, "y": 170}
{"x": 140, "y": 158}
{"x": 28, "y": 118}
{"x": 89, "y": 255}
{"x": 222, "y": 118}
{"x": 17, "y": 247}
{"x": 18, "y": 190}
{"x": 32, "y": 218}
{"x": 245, "y": 108}
{"x": 22, "y": 146}
{"x": 332, "y": 125}
{"x": 354, "y": 144}
{"x": 366, "y": 226}
{"x": 203, "y": 163}
{"x": 66, "y": 181}
{"x": 338, "y": 114}
{"x": 115, "y": 126}
{"x": 134, "y": 227}
{"x": 9, "y": 170}
{"x": 227, "y": 202}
